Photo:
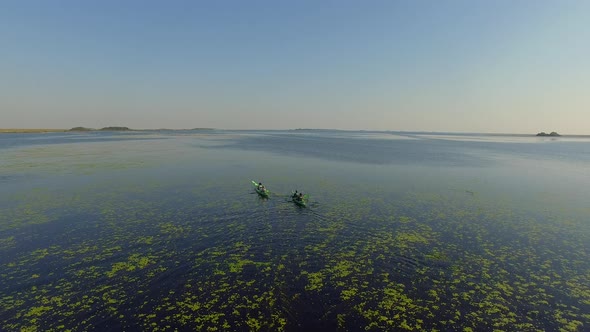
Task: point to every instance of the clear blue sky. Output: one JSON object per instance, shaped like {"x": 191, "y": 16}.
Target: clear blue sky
{"x": 466, "y": 66}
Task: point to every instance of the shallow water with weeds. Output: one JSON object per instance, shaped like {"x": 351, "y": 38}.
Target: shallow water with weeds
{"x": 163, "y": 231}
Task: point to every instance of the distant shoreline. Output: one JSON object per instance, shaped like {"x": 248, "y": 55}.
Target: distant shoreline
{"x": 84, "y": 130}
{"x": 45, "y": 130}
{"x": 125, "y": 129}
{"x": 15, "y": 131}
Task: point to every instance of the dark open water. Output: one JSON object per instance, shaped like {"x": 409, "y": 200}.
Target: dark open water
{"x": 163, "y": 231}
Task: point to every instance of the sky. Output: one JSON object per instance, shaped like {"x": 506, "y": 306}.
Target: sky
{"x": 501, "y": 66}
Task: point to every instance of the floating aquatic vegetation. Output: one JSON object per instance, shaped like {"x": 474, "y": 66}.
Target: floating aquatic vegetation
{"x": 165, "y": 253}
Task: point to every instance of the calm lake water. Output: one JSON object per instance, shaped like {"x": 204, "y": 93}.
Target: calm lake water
{"x": 163, "y": 231}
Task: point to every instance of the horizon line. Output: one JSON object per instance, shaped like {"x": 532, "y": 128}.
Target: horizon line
{"x": 41, "y": 130}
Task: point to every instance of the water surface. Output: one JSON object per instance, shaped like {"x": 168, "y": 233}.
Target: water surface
{"x": 403, "y": 231}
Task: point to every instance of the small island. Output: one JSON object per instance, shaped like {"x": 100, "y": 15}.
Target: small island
{"x": 103, "y": 129}
{"x": 81, "y": 129}
{"x": 115, "y": 129}
{"x": 553, "y": 134}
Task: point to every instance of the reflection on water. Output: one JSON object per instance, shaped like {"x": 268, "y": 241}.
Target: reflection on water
{"x": 416, "y": 234}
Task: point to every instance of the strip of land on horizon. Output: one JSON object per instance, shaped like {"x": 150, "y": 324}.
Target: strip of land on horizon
{"x": 31, "y": 130}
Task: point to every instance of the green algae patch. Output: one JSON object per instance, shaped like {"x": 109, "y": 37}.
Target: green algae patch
{"x": 133, "y": 263}
{"x": 7, "y": 243}
{"x": 37, "y": 311}
{"x": 315, "y": 281}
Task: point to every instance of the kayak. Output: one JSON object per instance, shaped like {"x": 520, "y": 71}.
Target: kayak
{"x": 302, "y": 202}
{"x": 263, "y": 193}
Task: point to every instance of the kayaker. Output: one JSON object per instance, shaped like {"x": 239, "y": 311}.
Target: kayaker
{"x": 300, "y": 198}
{"x": 260, "y": 186}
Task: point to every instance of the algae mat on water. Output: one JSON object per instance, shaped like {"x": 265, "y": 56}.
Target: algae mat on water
{"x": 164, "y": 258}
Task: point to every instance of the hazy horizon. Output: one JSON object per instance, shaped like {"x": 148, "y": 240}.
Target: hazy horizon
{"x": 458, "y": 66}
{"x": 59, "y": 129}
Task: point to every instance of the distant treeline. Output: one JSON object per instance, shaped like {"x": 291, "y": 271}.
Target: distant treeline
{"x": 102, "y": 129}
{"x": 545, "y": 134}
